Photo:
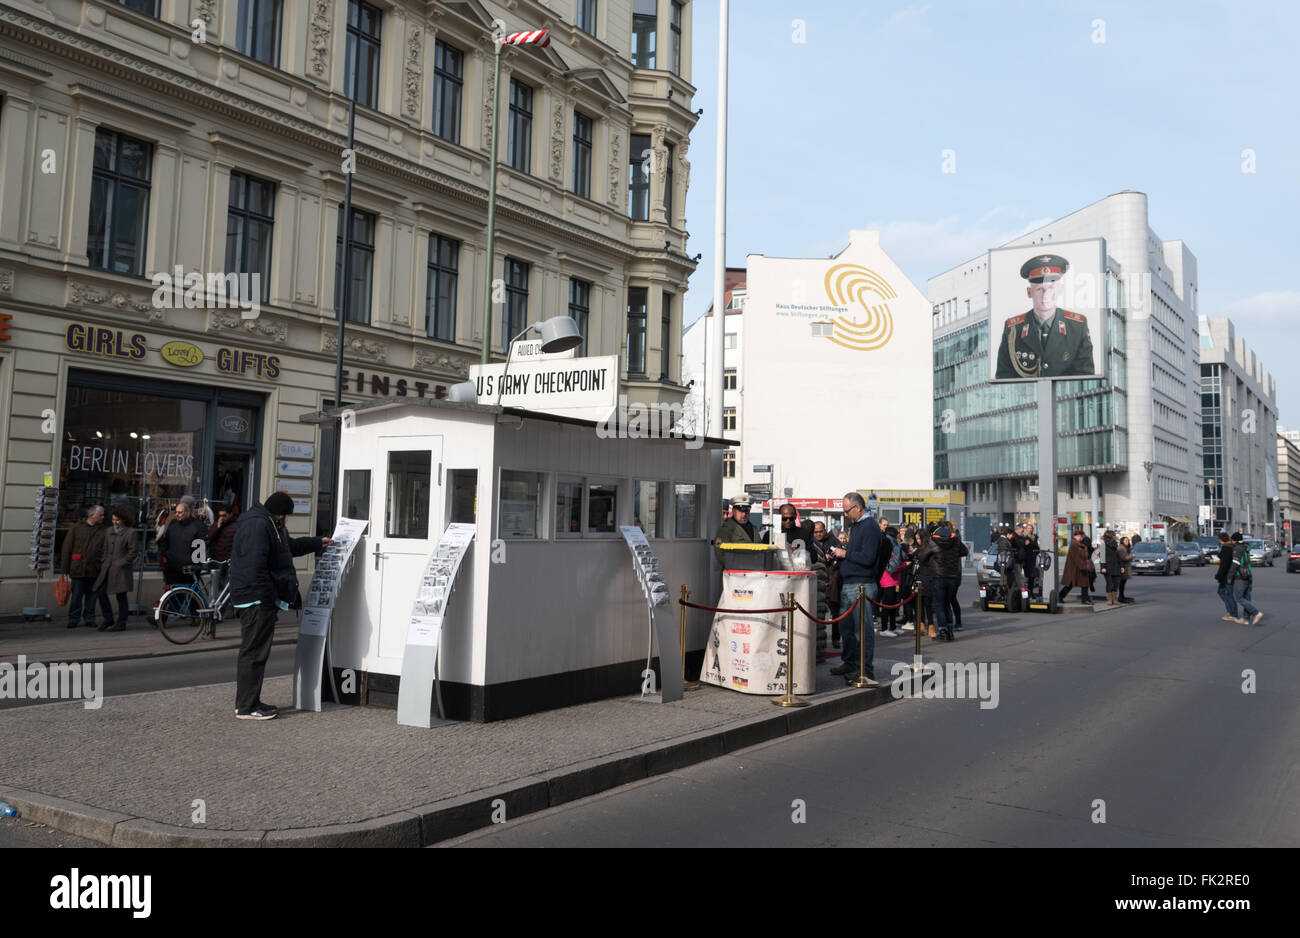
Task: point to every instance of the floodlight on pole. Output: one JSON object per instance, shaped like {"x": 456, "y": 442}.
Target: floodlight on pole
{"x": 540, "y": 38}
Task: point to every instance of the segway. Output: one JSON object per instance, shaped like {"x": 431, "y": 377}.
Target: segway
{"x": 998, "y": 595}
{"x": 1032, "y": 600}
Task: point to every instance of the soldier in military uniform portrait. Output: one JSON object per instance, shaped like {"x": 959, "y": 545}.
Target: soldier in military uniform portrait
{"x": 1047, "y": 341}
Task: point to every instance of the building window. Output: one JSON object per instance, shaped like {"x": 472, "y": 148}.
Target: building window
{"x": 666, "y": 334}
{"x": 520, "y": 146}
{"x": 638, "y": 179}
{"x": 448, "y": 82}
{"x": 668, "y": 184}
{"x": 645, "y": 26}
{"x": 361, "y": 83}
{"x": 582, "y": 155}
{"x": 444, "y": 264}
{"x": 637, "y": 310}
{"x": 675, "y": 61}
{"x": 259, "y": 30}
{"x": 516, "y": 312}
{"x": 587, "y": 16}
{"x": 729, "y": 341}
{"x": 729, "y": 379}
{"x": 363, "y": 265}
{"x": 250, "y": 220}
{"x": 728, "y": 418}
{"x": 119, "y": 203}
{"x": 729, "y": 464}
{"x": 580, "y": 310}
{"x": 147, "y": 7}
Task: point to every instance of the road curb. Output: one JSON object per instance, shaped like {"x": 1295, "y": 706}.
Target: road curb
{"x": 463, "y": 814}
{"x": 183, "y": 650}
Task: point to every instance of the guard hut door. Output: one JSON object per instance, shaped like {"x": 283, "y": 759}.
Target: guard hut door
{"x": 408, "y": 508}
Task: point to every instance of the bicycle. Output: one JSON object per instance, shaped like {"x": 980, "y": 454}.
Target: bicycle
{"x": 184, "y": 612}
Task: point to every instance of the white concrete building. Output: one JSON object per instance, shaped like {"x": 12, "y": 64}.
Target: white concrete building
{"x": 1129, "y": 447}
{"x": 1239, "y": 419}
{"x": 696, "y": 342}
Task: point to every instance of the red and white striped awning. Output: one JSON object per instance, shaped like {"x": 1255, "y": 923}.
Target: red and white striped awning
{"x": 535, "y": 37}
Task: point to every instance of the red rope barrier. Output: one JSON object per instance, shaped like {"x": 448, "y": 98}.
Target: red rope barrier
{"x": 736, "y": 612}
{"x": 848, "y": 612}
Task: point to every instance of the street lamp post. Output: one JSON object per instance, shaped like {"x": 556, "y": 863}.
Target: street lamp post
{"x": 540, "y": 38}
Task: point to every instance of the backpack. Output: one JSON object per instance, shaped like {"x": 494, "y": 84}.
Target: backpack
{"x": 1241, "y": 562}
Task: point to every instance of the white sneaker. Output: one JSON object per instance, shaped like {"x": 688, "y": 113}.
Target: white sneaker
{"x": 1241, "y": 621}
{"x": 909, "y": 627}
{"x": 1229, "y": 619}
{"x": 1258, "y": 616}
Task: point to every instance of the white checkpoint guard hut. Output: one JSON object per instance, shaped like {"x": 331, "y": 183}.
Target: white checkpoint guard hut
{"x": 547, "y": 611}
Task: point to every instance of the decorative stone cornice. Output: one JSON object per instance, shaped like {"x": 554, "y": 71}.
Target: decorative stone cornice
{"x": 82, "y": 294}
{"x": 207, "y": 9}
{"x": 441, "y": 361}
{"x": 6, "y": 280}
{"x": 223, "y": 320}
{"x": 355, "y": 347}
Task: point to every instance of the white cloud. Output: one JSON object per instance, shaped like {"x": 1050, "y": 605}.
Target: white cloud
{"x": 927, "y": 248}
{"x": 1272, "y": 306}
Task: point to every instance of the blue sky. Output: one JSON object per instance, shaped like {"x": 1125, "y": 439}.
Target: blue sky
{"x": 847, "y": 130}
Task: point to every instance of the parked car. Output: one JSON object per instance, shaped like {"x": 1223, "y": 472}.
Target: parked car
{"x": 1190, "y": 552}
{"x": 1156, "y": 557}
{"x": 1260, "y": 553}
{"x": 1293, "y": 559}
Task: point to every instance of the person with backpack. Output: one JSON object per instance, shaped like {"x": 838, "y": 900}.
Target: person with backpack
{"x": 1242, "y": 578}
{"x": 890, "y": 577}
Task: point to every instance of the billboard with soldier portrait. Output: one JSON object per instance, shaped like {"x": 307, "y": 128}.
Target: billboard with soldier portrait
{"x": 1047, "y": 311}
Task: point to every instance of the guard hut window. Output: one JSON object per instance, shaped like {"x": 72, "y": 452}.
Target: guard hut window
{"x": 406, "y": 512}
{"x": 356, "y": 494}
{"x": 259, "y": 30}
{"x": 568, "y": 508}
{"x": 463, "y": 484}
{"x": 650, "y": 508}
{"x": 687, "y": 502}
{"x": 119, "y": 203}
{"x": 448, "y": 83}
{"x": 519, "y": 511}
{"x": 602, "y": 508}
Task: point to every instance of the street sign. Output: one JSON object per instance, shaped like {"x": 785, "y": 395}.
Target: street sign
{"x": 759, "y": 491}
{"x": 762, "y": 468}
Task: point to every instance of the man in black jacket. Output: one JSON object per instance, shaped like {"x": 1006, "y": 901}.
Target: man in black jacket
{"x": 858, "y": 570}
{"x": 178, "y": 538}
{"x": 1224, "y": 578}
{"x": 944, "y": 553}
{"x": 263, "y": 581}
{"x": 793, "y": 529}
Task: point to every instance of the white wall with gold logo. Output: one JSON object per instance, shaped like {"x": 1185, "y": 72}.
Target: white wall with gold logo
{"x": 837, "y": 382}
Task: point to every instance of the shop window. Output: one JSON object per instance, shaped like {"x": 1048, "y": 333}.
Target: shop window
{"x": 259, "y": 30}
{"x": 688, "y": 500}
{"x": 568, "y": 509}
{"x": 119, "y": 203}
{"x": 361, "y": 80}
{"x": 651, "y": 508}
{"x": 520, "y": 506}
{"x": 406, "y": 514}
{"x": 602, "y": 508}
{"x": 464, "y": 495}
{"x": 356, "y": 494}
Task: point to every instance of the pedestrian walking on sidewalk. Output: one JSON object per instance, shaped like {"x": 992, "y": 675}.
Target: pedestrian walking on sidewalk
{"x": 115, "y": 570}
{"x": 179, "y": 536}
{"x": 1110, "y": 567}
{"x": 263, "y": 581}
{"x": 82, "y": 556}
{"x": 1223, "y": 578}
{"x": 1243, "y": 578}
{"x": 1126, "y": 569}
{"x": 1076, "y": 569}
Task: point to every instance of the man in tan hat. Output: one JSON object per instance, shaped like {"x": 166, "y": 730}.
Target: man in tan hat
{"x": 737, "y": 529}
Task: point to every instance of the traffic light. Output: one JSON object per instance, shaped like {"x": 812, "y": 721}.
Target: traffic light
{"x": 5, "y": 320}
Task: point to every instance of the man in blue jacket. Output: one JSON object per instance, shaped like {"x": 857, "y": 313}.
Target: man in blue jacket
{"x": 262, "y": 582}
{"x": 858, "y": 569}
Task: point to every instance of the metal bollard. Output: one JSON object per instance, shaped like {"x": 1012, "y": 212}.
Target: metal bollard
{"x": 686, "y": 597}
{"x": 862, "y": 681}
{"x": 789, "y": 700}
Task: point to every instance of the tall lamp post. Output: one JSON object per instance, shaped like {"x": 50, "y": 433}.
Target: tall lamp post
{"x": 540, "y": 38}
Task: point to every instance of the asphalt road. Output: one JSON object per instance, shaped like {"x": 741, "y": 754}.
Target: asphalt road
{"x": 1130, "y": 728}
{"x": 135, "y": 675}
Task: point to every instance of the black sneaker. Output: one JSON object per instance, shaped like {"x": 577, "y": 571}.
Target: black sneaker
{"x": 269, "y": 708}
{"x": 842, "y": 669}
{"x": 257, "y": 713}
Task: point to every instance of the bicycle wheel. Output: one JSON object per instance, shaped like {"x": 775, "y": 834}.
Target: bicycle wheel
{"x": 181, "y": 616}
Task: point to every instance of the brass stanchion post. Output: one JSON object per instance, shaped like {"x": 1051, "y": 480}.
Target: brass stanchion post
{"x": 686, "y": 597}
{"x": 863, "y": 680}
{"x": 789, "y": 700}
{"x": 916, "y": 656}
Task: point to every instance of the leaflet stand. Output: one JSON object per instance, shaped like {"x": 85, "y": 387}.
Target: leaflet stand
{"x": 42, "y": 553}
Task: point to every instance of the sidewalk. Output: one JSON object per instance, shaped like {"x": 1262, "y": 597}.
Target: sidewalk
{"x": 130, "y": 773}
{"x": 54, "y": 641}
